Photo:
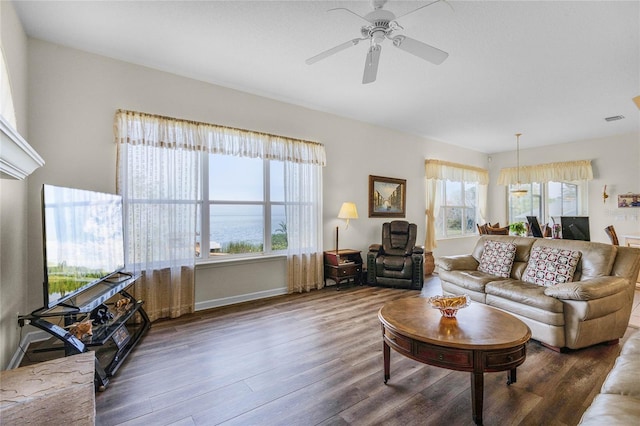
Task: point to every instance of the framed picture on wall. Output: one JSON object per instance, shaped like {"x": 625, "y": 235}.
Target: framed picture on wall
{"x": 387, "y": 197}
{"x": 629, "y": 200}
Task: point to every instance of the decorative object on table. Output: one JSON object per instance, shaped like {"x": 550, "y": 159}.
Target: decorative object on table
{"x": 81, "y": 329}
{"x": 519, "y": 191}
{"x": 387, "y": 197}
{"x": 629, "y": 200}
{"x": 347, "y": 211}
{"x": 122, "y": 304}
{"x": 604, "y": 194}
{"x": 518, "y": 228}
{"x": 449, "y": 305}
{"x": 556, "y": 231}
{"x": 101, "y": 315}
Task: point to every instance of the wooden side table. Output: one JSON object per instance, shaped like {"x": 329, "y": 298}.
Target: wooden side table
{"x": 344, "y": 264}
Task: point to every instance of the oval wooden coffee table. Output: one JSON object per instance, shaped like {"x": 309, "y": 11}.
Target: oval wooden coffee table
{"x": 481, "y": 339}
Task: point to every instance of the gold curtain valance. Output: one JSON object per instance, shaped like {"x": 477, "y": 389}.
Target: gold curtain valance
{"x": 568, "y": 171}
{"x": 137, "y": 128}
{"x": 445, "y": 170}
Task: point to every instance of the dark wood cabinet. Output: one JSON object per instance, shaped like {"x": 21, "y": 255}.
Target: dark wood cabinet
{"x": 342, "y": 265}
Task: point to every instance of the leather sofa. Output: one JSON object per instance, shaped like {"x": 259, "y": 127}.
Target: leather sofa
{"x": 618, "y": 402}
{"x": 593, "y": 305}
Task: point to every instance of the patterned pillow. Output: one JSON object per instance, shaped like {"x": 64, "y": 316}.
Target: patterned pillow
{"x": 549, "y": 266}
{"x": 497, "y": 258}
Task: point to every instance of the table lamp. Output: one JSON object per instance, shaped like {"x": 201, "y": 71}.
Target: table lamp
{"x": 347, "y": 211}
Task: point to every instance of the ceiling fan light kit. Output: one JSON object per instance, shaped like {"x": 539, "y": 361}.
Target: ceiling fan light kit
{"x": 381, "y": 26}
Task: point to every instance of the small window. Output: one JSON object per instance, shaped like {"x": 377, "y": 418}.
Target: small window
{"x": 459, "y": 209}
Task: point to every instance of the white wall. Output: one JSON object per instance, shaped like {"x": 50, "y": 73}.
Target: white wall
{"x": 615, "y": 163}
{"x": 13, "y": 195}
{"x": 74, "y": 96}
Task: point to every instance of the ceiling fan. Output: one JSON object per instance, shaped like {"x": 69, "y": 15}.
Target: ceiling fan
{"x": 382, "y": 24}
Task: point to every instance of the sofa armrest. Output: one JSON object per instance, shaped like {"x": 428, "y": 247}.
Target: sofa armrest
{"x": 594, "y": 288}
{"x": 375, "y": 247}
{"x": 464, "y": 262}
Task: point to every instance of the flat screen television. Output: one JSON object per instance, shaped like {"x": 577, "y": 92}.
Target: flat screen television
{"x": 83, "y": 240}
{"x": 534, "y": 225}
{"x": 575, "y": 228}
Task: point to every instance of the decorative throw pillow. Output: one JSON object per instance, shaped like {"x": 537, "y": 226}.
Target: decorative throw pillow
{"x": 497, "y": 258}
{"x": 549, "y": 266}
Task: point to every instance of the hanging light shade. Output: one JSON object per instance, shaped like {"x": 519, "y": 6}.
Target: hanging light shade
{"x": 519, "y": 191}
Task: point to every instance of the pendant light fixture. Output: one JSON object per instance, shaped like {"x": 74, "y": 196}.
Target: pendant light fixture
{"x": 518, "y": 192}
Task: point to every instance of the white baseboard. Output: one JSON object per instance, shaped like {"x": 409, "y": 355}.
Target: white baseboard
{"x": 215, "y": 303}
{"x": 27, "y": 339}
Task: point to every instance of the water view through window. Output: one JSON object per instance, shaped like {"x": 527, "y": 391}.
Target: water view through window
{"x": 245, "y": 198}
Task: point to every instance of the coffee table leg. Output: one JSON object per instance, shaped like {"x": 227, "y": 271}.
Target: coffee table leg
{"x": 511, "y": 376}
{"x": 386, "y": 353}
{"x": 477, "y": 395}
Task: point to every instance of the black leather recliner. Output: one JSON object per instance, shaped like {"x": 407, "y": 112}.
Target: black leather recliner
{"x": 397, "y": 262}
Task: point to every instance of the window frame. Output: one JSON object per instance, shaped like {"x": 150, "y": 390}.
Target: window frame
{"x": 441, "y": 223}
{"x": 204, "y": 204}
{"x": 582, "y": 204}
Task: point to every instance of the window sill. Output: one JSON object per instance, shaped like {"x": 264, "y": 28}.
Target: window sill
{"x": 227, "y": 261}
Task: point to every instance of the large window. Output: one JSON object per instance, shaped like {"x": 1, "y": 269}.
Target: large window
{"x": 198, "y": 187}
{"x": 244, "y": 197}
{"x": 548, "y": 201}
{"x": 458, "y": 209}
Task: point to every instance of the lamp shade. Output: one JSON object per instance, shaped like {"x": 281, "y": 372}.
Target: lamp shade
{"x": 348, "y": 211}
{"x": 637, "y": 101}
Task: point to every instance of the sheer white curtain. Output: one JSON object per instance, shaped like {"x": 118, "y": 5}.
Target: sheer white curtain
{"x": 158, "y": 174}
{"x": 303, "y": 204}
{"x": 158, "y": 178}
{"x": 482, "y": 203}
{"x": 433, "y": 207}
{"x": 437, "y": 171}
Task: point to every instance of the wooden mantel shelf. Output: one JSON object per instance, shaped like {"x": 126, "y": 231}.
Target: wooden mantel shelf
{"x": 17, "y": 158}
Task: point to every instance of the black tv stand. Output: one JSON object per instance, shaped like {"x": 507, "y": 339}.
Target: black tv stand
{"x": 118, "y": 278}
{"x": 111, "y": 341}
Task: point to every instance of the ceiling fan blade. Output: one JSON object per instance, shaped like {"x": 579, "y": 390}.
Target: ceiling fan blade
{"x": 371, "y": 64}
{"x": 350, "y": 11}
{"x": 420, "y": 49}
{"x": 333, "y": 50}
{"x": 422, "y": 7}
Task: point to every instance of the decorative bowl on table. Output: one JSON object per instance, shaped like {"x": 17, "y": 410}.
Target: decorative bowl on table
{"x": 449, "y": 305}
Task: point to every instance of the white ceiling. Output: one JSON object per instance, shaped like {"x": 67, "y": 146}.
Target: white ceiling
{"x": 552, "y": 70}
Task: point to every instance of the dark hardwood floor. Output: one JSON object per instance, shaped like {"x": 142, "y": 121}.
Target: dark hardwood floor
{"x": 316, "y": 359}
